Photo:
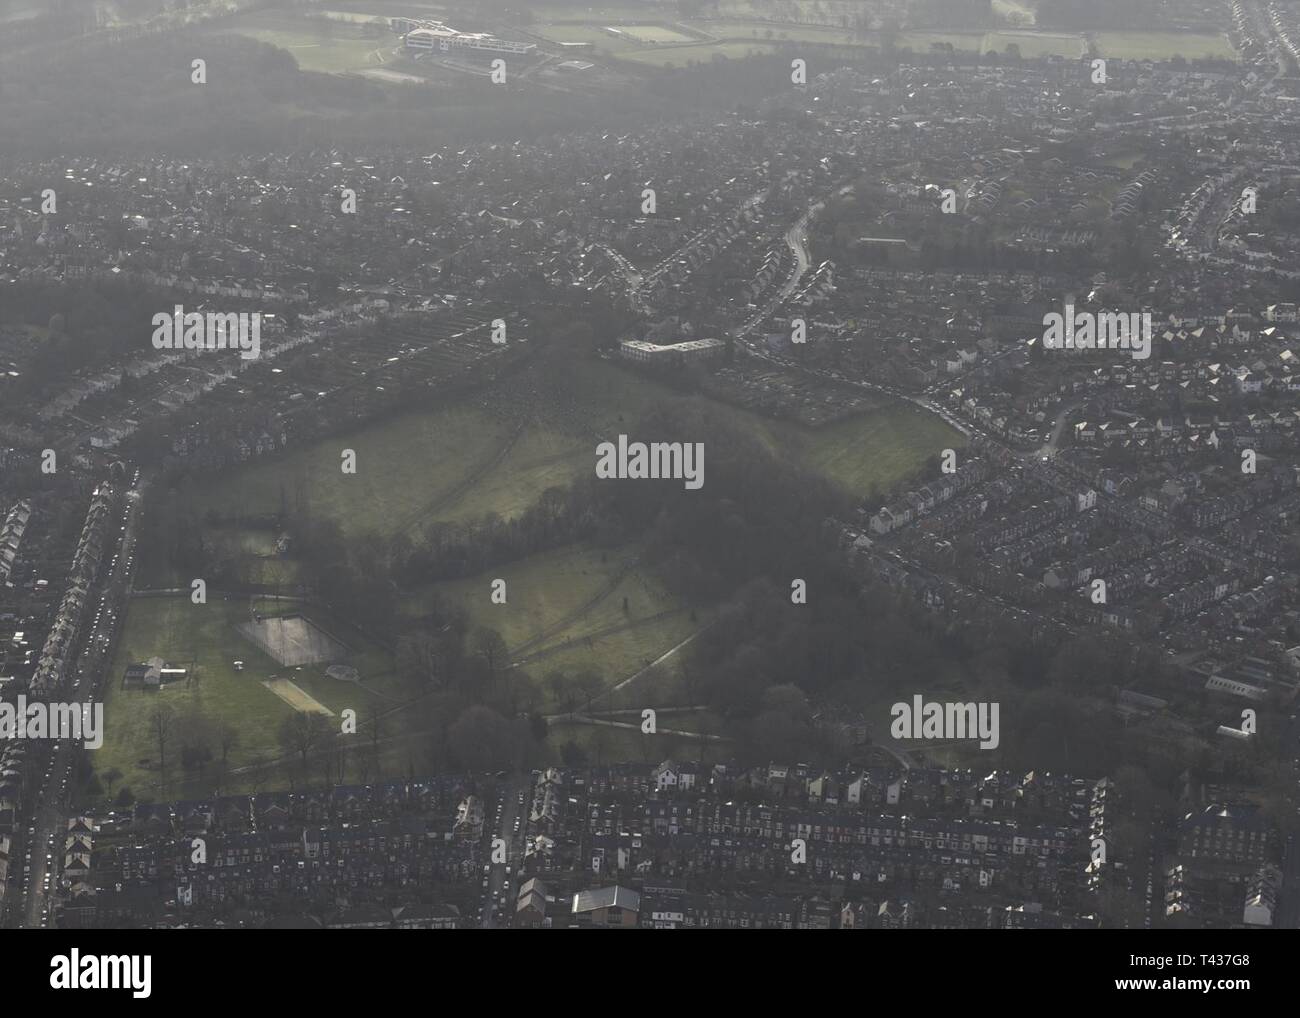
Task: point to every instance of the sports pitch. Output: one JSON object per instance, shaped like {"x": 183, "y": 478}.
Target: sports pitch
{"x": 653, "y": 33}
{"x": 247, "y": 700}
{"x": 293, "y": 640}
{"x": 296, "y": 697}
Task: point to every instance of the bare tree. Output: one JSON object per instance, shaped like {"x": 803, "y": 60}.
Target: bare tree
{"x": 257, "y": 775}
{"x": 376, "y": 742}
{"x": 492, "y": 648}
{"x": 161, "y": 723}
{"x": 589, "y": 684}
{"x": 111, "y": 777}
{"x": 228, "y": 736}
{"x": 301, "y": 733}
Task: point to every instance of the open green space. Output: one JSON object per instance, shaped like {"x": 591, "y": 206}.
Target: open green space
{"x": 1121, "y": 45}
{"x": 1164, "y": 45}
{"x": 1014, "y": 12}
{"x": 597, "y": 14}
{"x": 255, "y": 552}
{"x": 680, "y": 56}
{"x": 408, "y": 468}
{"x": 1034, "y": 45}
{"x": 344, "y": 42}
{"x": 566, "y": 31}
{"x": 461, "y": 462}
{"x": 654, "y": 33}
{"x": 1124, "y": 160}
{"x": 604, "y": 744}
{"x": 564, "y": 611}
{"x": 741, "y": 21}
{"x": 766, "y": 31}
{"x": 874, "y": 451}
{"x": 318, "y": 44}
{"x": 205, "y": 640}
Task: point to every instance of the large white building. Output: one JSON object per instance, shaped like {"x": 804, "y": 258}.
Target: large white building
{"x": 434, "y": 35}
{"x": 691, "y": 351}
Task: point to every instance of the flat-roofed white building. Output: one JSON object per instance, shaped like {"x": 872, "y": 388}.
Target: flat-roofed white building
{"x": 1222, "y": 684}
{"x": 429, "y": 38}
{"x": 483, "y": 41}
{"x": 691, "y": 351}
{"x": 431, "y": 35}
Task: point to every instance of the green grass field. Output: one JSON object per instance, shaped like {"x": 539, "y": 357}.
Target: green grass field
{"x": 1016, "y": 13}
{"x": 552, "y": 598}
{"x": 254, "y": 550}
{"x": 680, "y": 56}
{"x": 337, "y": 45}
{"x": 736, "y": 28}
{"x": 654, "y": 33}
{"x": 872, "y": 449}
{"x": 1124, "y": 160}
{"x": 204, "y": 638}
{"x": 318, "y": 44}
{"x": 1034, "y": 45}
{"x": 603, "y": 14}
{"x": 827, "y": 34}
{"x": 564, "y": 611}
{"x": 605, "y": 44}
{"x": 564, "y": 608}
{"x": 462, "y": 462}
{"x": 566, "y": 31}
{"x": 407, "y": 467}
{"x": 875, "y": 450}
{"x": 1121, "y": 45}
{"x": 604, "y": 744}
{"x": 1164, "y": 45}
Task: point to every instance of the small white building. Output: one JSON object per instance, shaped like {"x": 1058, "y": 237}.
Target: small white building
{"x": 1261, "y": 897}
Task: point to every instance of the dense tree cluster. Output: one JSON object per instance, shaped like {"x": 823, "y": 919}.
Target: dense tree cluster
{"x": 84, "y": 324}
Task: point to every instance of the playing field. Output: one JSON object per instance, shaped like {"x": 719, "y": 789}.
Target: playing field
{"x": 680, "y": 56}
{"x": 654, "y": 33}
{"x": 217, "y": 696}
{"x": 825, "y": 34}
{"x": 408, "y": 468}
{"x": 461, "y": 462}
{"x": 873, "y": 451}
{"x": 293, "y": 695}
{"x": 565, "y": 611}
{"x": 600, "y": 40}
{"x": 1121, "y": 45}
{"x": 319, "y": 44}
{"x": 293, "y": 640}
{"x": 1164, "y": 45}
{"x": 743, "y": 27}
{"x": 565, "y": 608}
